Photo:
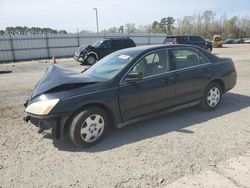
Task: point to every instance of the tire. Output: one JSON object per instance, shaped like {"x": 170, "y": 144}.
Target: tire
{"x": 91, "y": 59}
{"x": 88, "y": 127}
{"x": 209, "y": 50}
{"x": 211, "y": 97}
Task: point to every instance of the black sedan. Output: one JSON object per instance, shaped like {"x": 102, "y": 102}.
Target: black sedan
{"x": 126, "y": 86}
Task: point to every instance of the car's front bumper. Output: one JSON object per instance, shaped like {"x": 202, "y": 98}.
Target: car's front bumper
{"x": 53, "y": 123}
{"x": 79, "y": 59}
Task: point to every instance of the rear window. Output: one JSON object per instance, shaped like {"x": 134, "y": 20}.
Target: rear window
{"x": 128, "y": 43}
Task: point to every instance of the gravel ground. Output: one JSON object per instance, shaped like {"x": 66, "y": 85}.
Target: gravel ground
{"x": 151, "y": 153}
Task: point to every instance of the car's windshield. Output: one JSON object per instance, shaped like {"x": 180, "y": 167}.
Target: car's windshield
{"x": 97, "y": 43}
{"x": 111, "y": 65}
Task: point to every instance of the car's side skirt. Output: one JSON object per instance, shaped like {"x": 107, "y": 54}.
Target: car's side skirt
{"x": 158, "y": 113}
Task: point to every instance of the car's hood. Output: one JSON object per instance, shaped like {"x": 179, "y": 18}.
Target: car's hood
{"x": 83, "y": 49}
{"x": 57, "y": 78}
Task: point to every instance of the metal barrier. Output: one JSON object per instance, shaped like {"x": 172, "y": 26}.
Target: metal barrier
{"x": 30, "y": 47}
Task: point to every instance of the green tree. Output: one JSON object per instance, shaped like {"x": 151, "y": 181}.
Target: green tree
{"x": 187, "y": 25}
{"x": 121, "y": 29}
{"x": 155, "y": 26}
{"x": 208, "y": 19}
{"x": 163, "y": 25}
{"x": 232, "y": 28}
{"x": 170, "y": 23}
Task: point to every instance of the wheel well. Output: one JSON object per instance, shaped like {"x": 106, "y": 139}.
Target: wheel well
{"x": 103, "y": 107}
{"x": 91, "y": 53}
{"x": 221, "y": 83}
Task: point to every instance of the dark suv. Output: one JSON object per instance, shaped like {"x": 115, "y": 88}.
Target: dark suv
{"x": 101, "y": 48}
{"x": 189, "y": 39}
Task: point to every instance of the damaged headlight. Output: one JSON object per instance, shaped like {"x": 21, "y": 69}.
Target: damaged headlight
{"x": 42, "y": 107}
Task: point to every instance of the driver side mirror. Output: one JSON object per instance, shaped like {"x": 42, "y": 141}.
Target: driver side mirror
{"x": 134, "y": 77}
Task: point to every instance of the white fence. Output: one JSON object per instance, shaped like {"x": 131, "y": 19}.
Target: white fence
{"x": 29, "y": 47}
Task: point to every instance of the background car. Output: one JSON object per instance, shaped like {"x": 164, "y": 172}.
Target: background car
{"x": 247, "y": 41}
{"x": 234, "y": 41}
{"x": 228, "y": 41}
{"x": 124, "y": 87}
{"x": 189, "y": 39}
{"x": 101, "y": 48}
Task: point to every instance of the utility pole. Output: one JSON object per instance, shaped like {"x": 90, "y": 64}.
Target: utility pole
{"x": 96, "y": 14}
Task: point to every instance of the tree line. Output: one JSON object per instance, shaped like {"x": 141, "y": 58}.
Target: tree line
{"x": 205, "y": 24}
{"x": 18, "y": 30}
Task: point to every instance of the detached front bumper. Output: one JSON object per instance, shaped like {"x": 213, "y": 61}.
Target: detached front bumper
{"x": 44, "y": 123}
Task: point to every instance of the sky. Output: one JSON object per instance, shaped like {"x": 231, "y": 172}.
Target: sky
{"x": 71, "y": 15}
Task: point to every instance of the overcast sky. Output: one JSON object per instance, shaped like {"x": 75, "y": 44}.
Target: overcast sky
{"x": 73, "y": 14}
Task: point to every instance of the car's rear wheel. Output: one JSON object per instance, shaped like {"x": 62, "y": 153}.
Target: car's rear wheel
{"x": 91, "y": 59}
{"x": 88, "y": 127}
{"x": 211, "y": 97}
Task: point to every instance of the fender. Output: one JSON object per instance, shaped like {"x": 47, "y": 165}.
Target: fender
{"x": 216, "y": 79}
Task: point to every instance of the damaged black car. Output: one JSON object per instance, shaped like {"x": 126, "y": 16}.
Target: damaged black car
{"x": 92, "y": 53}
{"x": 127, "y": 86}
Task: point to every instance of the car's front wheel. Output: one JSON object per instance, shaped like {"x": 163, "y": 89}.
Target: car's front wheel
{"x": 91, "y": 59}
{"x": 211, "y": 97}
{"x": 88, "y": 127}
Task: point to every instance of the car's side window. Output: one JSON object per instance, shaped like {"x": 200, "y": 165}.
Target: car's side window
{"x": 182, "y": 39}
{"x": 184, "y": 58}
{"x": 106, "y": 44}
{"x": 153, "y": 64}
{"x": 196, "y": 39}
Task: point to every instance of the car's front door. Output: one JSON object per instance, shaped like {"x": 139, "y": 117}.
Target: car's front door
{"x": 105, "y": 49}
{"x": 154, "y": 92}
{"x": 192, "y": 72}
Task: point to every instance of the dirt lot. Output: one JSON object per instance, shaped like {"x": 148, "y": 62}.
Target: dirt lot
{"x": 152, "y": 153}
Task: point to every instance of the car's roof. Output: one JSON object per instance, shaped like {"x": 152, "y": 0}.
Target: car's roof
{"x": 148, "y": 48}
{"x": 121, "y": 38}
{"x": 169, "y": 36}
{"x": 155, "y": 47}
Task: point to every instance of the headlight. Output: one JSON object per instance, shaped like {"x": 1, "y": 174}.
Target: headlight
{"x": 42, "y": 107}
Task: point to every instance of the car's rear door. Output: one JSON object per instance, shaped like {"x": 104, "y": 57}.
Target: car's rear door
{"x": 197, "y": 41}
{"x": 193, "y": 70}
{"x": 154, "y": 92}
{"x": 117, "y": 44}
